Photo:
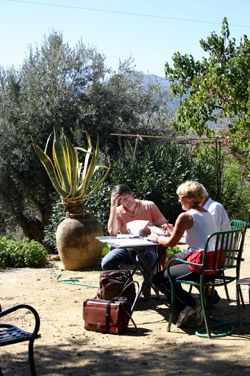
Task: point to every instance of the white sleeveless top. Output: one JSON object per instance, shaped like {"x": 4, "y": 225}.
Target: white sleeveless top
{"x": 203, "y": 226}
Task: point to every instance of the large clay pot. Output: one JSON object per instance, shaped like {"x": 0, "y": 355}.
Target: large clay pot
{"x": 76, "y": 242}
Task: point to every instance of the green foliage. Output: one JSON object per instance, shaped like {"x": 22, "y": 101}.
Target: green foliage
{"x": 57, "y": 215}
{"x": 236, "y": 192}
{"x": 21, "y": 254}
{"x": 158, "y": 169}
{"x": 155, "y": 174}
{"x": 59, "y": 86}
{"x": 71, "y": 177}
{"x": 105, "y": 250}
{"x": 208, "y": 165}
{"x": 215, "y": 91}
{"x": 172, "y": 250}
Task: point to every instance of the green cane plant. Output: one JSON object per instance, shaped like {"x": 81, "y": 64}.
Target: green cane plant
{"x": 70, "y": 177}
{"x": 75, "y": 179}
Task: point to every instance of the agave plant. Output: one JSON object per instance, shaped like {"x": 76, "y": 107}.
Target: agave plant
{"x": 69, "y": 176}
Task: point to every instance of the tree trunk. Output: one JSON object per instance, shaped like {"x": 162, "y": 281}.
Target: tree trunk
{"x": 32, "y": 228}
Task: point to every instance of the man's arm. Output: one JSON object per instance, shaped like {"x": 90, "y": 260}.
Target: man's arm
{"x": 157, "y": 215}
{"x": 113, "y": 223}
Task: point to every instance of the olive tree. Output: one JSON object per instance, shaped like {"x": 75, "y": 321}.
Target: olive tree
{"x": 59, "y": 87}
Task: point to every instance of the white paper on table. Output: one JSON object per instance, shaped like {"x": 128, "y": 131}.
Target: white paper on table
{"x": 126, "y": 236}
{"x": 136, "y": 227}
{"x": 182, "y": 240}
{"x": 157, "y": 230}
{"x": 131, "y": 242}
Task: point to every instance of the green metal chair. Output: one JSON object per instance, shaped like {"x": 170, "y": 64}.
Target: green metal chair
{"x": 11, "y": 334}
{"x": 237, "y": 224}
{"x": 227, "y": 254}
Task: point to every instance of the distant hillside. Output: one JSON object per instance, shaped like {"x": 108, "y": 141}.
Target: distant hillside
{"x": 174, "y": 102}
{"x": 165, "y": 85}
{"x": 151, "y": 78}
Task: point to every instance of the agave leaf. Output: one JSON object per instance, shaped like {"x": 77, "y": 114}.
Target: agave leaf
{"x": 90, "y": 169}
{"x": 47, "y": 143}
{"x": 74, "y": 163}
{"x": 72, "y": 167}
{"x": 81, "y": 149}
{"x": 70, "y": 177}
{"x": 85, "y": 165}
{"x": 87, "y": 156}
{"x": 49, "y": 167}
{"x": 99, "y": 181}
{"x": 61, "y": 160}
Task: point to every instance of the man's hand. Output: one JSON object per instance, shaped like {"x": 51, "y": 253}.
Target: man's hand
{"x": 114, "y": 199}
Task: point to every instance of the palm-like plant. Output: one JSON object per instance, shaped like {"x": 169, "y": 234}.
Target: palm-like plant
{"x": 69, "y": 176}
{"x": 76, "y": 234}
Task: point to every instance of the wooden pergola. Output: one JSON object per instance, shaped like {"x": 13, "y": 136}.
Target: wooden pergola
{"x": 217, "y": 141}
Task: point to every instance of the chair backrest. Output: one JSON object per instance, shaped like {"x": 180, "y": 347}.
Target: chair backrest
{"x": 238, "y": 224}
{"x": 228, "y": 248}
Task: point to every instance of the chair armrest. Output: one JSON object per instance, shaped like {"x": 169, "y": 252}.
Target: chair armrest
{"x": 29, "y": 308}
{"x": 180, "y": 261}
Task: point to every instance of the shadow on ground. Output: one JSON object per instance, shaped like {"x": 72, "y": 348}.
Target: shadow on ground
{"x": 166, "y": 358}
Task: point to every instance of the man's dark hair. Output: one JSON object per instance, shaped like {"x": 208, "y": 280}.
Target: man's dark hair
{"x": 121, "y": 189}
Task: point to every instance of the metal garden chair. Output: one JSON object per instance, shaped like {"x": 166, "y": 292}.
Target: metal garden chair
{"x": 239, "y": 224}
{"x": 11, "y": 334}
{"x": 227, "y": 254}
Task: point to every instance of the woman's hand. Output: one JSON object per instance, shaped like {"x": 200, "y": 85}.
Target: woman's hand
{"x": 153, "y": 237}
{"x": 168, "y": 228}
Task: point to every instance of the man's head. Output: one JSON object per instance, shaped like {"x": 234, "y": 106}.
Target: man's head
{"x": 126, "y": 198}
{"x": 121, "y": 189}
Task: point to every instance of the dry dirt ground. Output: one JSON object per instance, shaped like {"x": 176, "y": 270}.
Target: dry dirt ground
{"x": 65, "y": 348}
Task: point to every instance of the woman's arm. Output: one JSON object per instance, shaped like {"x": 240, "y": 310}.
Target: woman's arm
{"x": 183, "y": 223}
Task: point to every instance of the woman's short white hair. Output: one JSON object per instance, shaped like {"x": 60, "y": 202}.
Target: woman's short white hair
{"x": 205, "y": 191}
{"x": 193, "y": 189}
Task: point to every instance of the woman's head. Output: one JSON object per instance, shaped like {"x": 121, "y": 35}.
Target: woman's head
{"x": 191, "y": 190}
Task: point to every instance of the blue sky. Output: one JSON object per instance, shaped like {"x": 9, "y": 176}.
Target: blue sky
{"x": 149, "y": 31}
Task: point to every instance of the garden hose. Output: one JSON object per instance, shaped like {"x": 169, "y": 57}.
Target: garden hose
{"x": 73, "y": 281}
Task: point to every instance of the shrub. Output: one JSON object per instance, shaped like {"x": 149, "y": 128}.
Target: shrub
{"x": 155, "y": 173}
{"x": 21, "y": 254}
{"x": 58, "y": 214}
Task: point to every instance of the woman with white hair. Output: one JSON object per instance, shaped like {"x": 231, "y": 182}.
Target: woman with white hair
{"x": 197, "y": 223}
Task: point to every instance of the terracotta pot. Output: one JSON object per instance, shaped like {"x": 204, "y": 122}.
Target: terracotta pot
{"x": 76, "y": 243}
